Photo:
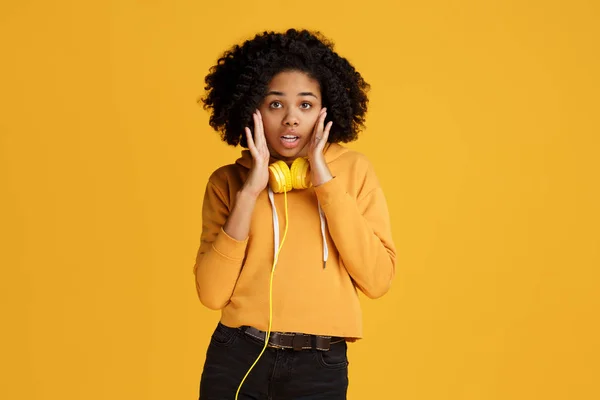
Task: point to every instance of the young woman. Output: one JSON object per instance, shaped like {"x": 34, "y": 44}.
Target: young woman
{"x": 295, "y": 227}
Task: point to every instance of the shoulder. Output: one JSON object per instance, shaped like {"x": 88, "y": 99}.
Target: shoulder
{"x": 232, "y": 173}
{"x": 226, "y": 181}
{"x": 355, "y": 157}
{"x": 350, "y": 160}
{"x": 224, "y": 174}
{"x": 355, "y": 169}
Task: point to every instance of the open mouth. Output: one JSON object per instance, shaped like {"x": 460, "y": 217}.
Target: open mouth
{"x": 290, "y": 141}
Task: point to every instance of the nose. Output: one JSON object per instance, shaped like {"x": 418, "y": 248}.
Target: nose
{"x": 291, "y": 119}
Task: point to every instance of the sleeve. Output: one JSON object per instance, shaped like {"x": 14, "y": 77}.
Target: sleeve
{"x": 361, "y": 231}
{"x": 220, "y": 257}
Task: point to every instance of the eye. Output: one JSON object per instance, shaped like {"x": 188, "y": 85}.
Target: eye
{"x": 305, "y": 105}
{"x": 275, "y": 104}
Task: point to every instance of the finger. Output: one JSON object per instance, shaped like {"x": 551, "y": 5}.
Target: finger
{"x": 262, "y": 132}
{"x": 258, "y": 130}
{"x": 260, "y": 120}
{"x": 251, "y": 145}
{"x": 326, "y": 132}
{"x": 319, "y": 134}
{"x": 316, "y": 129}
{"x": 256, "y": 124}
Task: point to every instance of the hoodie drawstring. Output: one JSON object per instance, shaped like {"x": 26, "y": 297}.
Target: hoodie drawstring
{"x": 276, "y": 229}
{"x": 275, "y": 225}
{"x": 323, "y": 227}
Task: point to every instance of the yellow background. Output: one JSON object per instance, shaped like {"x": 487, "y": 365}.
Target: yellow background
{"x": 483, "y": 127}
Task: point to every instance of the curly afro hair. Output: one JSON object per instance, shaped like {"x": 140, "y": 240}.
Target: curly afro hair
{"x": 237, "y": 84}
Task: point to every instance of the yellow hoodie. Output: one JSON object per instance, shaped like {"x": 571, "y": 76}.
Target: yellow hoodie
{"x": 309, "y": 296}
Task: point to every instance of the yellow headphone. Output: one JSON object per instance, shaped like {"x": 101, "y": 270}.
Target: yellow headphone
{"x": 283, "y": 178}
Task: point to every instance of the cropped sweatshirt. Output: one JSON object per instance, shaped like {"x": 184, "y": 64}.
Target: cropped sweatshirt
{"x": 338, "y": 242}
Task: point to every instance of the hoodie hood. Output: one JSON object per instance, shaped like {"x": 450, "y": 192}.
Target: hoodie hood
{"x": 332, "y": 151}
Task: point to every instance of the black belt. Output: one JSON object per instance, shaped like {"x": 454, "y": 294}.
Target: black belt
{"x": 296, "y": 341}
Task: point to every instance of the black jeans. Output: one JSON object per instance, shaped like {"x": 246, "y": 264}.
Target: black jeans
{"x": 280, "y": 374}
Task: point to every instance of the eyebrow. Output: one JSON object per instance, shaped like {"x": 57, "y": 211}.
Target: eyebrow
{"x": 276, "y": 93}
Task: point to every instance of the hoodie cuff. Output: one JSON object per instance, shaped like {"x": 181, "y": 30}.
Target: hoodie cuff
{"x": 330, "y": 192}
{"x": 229, "y": 247}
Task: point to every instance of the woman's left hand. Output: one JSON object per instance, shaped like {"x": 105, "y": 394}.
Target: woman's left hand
{"x": 319, "y": 170}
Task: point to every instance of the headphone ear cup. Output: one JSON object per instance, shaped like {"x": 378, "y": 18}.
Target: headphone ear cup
{"x": 300, "y": 173}
{"x": 280, "y": 178}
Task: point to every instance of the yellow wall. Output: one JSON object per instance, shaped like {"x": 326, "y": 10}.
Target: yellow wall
{"x": 484, "y": 130}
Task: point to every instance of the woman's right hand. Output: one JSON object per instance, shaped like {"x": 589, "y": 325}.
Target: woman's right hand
{"x": 259, "y": 173}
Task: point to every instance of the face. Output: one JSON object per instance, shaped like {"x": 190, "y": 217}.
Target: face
{"x": 289, "y": 112}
